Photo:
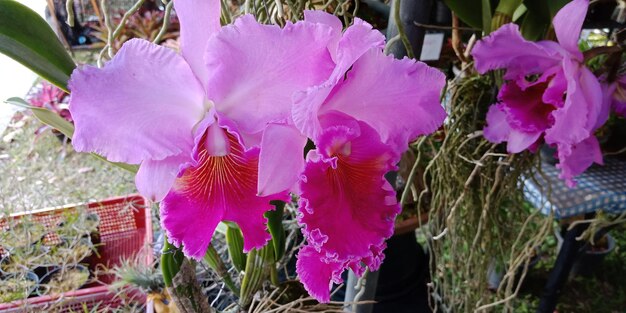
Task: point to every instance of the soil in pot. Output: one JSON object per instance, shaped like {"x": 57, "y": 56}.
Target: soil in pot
{"x": 62, "y": 280}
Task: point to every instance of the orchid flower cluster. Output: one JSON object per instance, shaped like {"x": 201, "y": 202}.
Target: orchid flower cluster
{"x": 549, "y": 95}
{"x": 219, "y": 131}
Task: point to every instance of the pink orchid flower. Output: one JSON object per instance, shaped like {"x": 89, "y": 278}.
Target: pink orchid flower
{"x": 361, "y": 119}
{"x": 563, "y": 105}
{"x": 195, "y": 120}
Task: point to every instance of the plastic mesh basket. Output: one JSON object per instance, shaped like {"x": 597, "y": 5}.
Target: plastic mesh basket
{"x": 125, "y": 231}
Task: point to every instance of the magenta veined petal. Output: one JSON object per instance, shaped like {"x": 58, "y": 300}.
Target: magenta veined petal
{"x": 255, "y": 69}
{"x": 525, "y": 110}
{"x": 218, "y": 188}
{"x": 568, "y": 23}
{"x": 142, "y": 105}
{"x": 347, "y": 207}
{"x": 199, "y": 20}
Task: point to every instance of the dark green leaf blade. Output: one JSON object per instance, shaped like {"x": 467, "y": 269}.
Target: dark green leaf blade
{"x": 469, "y": 11}
{"x": 28, "y": 39}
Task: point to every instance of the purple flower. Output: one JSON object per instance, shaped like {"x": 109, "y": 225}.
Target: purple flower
{"x": 549, "y": 94}
{"x": 195, "y": 120}
{"x": 615, "y": 93}
{"x": 361, "y": 119}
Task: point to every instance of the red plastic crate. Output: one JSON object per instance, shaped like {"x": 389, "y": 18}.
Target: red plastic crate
{"x": 125, "y": 231}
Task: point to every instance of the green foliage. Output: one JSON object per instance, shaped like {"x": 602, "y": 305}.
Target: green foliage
{"x": 27, "y": 38}
{"x": 538, "y": 18}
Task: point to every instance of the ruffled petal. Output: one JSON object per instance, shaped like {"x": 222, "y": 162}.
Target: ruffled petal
{"x": 497, "y": 129}
{"x": 155, "y": 178}
{"x": 575, "y": 159}
{"x": 199, "y": 20}
{"x": 506, "y": 48}
{"x": 318, "y": 273}
{"x": 321, "y": 17}
{"x": 281, "y": 159}
{"x": 142, "y": 105}
{"x": 525, "y": 110}
{"x": 398, "y": 98}
{"x": 567, "y": 25}
{"x": 575, "y": 121}
{"x": 347, "y": 207}
{"x": 358, "y": 39}
{"x": 217, "y": 188}
{"x": 257, "y": 68}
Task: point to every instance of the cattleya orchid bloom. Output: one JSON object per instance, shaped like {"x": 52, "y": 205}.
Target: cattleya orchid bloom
{"x": 361, "y": 119}
{"x": 563, "y": 105}
{"x": 195, "y": 120}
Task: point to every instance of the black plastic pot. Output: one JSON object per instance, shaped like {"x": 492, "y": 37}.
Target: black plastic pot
{"x": 591, "y": 260}
{"x": 403, "y": 277}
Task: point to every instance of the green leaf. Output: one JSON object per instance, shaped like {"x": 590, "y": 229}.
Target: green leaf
{"x": 45, "y": 116}
{"x": 555, "y": 5}
{"x": 486, "y": 15}
{"x": 534, "y": 27}
{"x": 275, "y": 226}
{"x": 27, "y": 38}
{"x": 468, "y": 11}
{"x": 234, "y": 241}
{"x": 66, "y": 128}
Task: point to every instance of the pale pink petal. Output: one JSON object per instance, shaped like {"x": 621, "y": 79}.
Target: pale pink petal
{"x": 281, "y": 159}
{"x": 506, "y": 48}
{"x": 347, "y": 207}
{"x": 318, "y": 273}
{"x": 199, "y": 20}
{"x": 255, "y": 69}
{"x": 398, "y": 98}
{"x": 574, "y": 160}
{"x": 321, "y": 17}
{"x": 567, "y": 25}
{"x": 497, "y": 129}
{"x": 358, "y": 39}
{"x": 155, "y": 178}
{"x": 519, "y": 141}
{"x": 575, "y": 120}
{"x": 217, "y": 188}
{"x": 142, "y": 105}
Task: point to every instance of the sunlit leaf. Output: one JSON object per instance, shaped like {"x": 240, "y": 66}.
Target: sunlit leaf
{"x": 28, "y": 39}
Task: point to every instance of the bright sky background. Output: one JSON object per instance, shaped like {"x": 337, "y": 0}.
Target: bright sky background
{"x": 15, "y": 79}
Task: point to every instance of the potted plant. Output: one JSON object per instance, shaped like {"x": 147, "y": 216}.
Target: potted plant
{"x": 64, "y": 279}
{"x": 17, "y": 286}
